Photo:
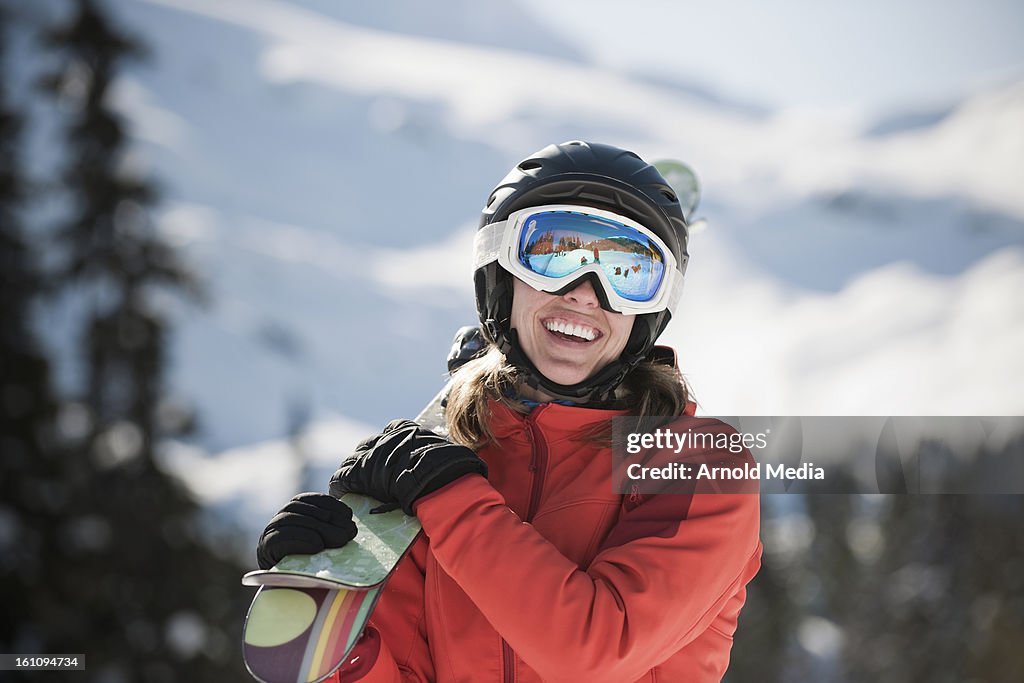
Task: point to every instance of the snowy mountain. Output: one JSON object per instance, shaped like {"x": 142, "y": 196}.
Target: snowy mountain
{"x": 324, "y": 165}
{"x": 504, "y": 25}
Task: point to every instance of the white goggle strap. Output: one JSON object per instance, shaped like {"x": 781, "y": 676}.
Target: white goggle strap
{"x": 676, "y": 293}
{"x": 487, "y": 243}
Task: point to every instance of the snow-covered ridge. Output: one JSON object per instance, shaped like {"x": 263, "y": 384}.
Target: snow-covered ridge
{"x": 492, "y": 94}
{"x": 894, "y": 341}
{"x": 977, "y": 150}
{"x": 497, "y": 24}
{"x": 481, "y": 87}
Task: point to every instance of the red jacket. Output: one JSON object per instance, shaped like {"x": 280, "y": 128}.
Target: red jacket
{"x": 542, "y": 573}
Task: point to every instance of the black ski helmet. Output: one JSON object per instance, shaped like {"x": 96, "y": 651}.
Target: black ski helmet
{"x": 585, "y": 174}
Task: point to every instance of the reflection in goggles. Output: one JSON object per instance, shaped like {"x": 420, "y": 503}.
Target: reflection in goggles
{"x": 558, "y": 243}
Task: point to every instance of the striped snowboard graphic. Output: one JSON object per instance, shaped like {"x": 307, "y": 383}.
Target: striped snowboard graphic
{"x": 301, "y": 635}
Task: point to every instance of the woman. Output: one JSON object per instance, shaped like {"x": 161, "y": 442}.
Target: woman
{"x": 531, "y": 567}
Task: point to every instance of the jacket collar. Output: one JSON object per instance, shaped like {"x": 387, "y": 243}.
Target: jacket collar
{"x": 556, "y": 421}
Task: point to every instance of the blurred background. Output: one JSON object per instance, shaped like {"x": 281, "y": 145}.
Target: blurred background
{"x": 235, "y": 237}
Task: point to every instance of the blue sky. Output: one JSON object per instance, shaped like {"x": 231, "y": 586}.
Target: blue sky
{"x": 871, "y": 55}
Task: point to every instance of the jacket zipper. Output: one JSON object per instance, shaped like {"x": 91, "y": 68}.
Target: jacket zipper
{"x": 508, "y": 665}
{"x": 538, "y": 465}
{"x": 538, "y": 462}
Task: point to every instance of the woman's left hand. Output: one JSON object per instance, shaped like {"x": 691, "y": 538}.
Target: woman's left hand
{"x": 403, "y": 463}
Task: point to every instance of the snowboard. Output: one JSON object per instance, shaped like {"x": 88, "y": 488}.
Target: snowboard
{"x": 364, "y": 562}
{"x": 682, "y": 179}
{"x": 302, "y": 635}
{"x": 311, "y": 609}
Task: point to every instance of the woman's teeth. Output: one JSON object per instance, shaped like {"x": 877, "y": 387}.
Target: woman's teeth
{"x": 571, "y": 330}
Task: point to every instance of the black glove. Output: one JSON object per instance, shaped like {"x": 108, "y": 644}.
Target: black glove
{"x": 309, "y": 523}
{"x": 402, "y": 463}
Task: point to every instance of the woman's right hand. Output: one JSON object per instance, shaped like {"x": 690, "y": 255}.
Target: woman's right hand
{"x": 309, "y": 523}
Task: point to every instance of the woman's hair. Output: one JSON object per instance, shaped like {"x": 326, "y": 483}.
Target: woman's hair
{"x": 650, "y": 389}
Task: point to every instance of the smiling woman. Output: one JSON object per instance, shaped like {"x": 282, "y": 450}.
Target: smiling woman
{"x": 522, "y": 525}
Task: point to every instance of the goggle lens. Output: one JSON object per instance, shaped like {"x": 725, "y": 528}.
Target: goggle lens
{"x": 559, "y": 243}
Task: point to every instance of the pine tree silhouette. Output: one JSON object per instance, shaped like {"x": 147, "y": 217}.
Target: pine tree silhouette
{"x": 130, "y": 580}
{"x": 29, "y": 489}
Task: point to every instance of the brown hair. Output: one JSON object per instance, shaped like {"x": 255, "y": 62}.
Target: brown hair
{"x": 649, "y": 389}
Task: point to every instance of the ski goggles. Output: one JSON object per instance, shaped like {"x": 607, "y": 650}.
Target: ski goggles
{"x": 552, "y": 247}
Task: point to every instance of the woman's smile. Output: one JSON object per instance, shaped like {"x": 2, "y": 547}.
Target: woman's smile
{"x": 568, "y": 337}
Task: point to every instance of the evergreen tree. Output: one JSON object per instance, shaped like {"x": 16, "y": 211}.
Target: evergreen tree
{"x": 132, "y": 583}
{"x": 764, "y": 638}
{"x": 112, "y": 249}
{"x": 947, "y": 592}
{"x": 29, "y": 491}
